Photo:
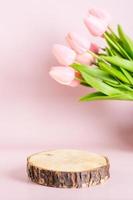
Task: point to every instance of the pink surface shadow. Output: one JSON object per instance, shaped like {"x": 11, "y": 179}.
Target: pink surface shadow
{"x": 18, "y": 174}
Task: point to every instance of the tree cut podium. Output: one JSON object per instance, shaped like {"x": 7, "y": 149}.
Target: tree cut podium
{"x": 68, "y": 168}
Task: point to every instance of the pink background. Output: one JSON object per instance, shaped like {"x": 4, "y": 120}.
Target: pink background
{"x": 37, "y": 113}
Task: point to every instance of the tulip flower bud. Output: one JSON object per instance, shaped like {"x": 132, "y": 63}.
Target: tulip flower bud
{"x": 63, "y": 54}
{"x": 96, "y": 26}
{"x": 101, "y": 14}
{"x": 63, "y": 75}
{"x": 74, "y": 83}
{"x": 94, "y": 48}
{"x": 85, "y": 58}
{"x": 78, "y": 43}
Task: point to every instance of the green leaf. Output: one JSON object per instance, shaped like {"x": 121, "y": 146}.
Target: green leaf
{"x": 113, "y": 71}
{"x": 120, "y": 62}
{"x": 113, "y": 43}
{"x": 100, "y": 96}
{"x": 109, "y": 52}
{"x": 84, "y": 84}
{"x": 127, "y": 42}
{"x": 121, "y": 86}
{"x": 99, "y": 85}
{"x": 128, "y": 75}
{"x": 94, "y": 96}
{"x": 93, "y": 71}
{"x": 115, "y": 53}
{"x": 113, "y": 35}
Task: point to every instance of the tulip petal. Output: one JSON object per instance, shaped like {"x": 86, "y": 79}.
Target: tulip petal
{"x": 85, "y": 58}
{"x": 96, "y": 26}
{"x": 94, "y": 48}
{"x": 77, "y": 42}
{"x": 63, "y": 75}
{"x": 74, "y": 83}
{"x": 63, "y": 54}
{"x": 101, "y": 14}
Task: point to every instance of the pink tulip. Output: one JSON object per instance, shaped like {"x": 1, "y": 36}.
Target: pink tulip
{"x": 78, "y": 43}
{"x": 85, "y": 58}
{"x": 63, "y": 75}
{"x": 94, "y": 48}
{"x": 74, "y": 83}
{"x": 95, "y": 25}
{"x": 101, "y": 14}
{"x": 63, "y": 54}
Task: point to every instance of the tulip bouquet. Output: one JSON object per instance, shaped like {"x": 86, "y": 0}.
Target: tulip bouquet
{"x": 109, "y": 70}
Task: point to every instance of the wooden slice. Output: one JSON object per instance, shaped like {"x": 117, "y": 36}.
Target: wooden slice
{"x": 68, "y": 168}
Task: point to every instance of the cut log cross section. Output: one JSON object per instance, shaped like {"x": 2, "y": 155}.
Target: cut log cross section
{"x": 68, "y": 168}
